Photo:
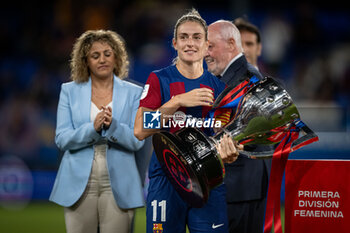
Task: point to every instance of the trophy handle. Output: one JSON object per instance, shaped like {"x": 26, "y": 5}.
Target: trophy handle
{"x": 256, "y": 155}
{"x": 308, "y": 137}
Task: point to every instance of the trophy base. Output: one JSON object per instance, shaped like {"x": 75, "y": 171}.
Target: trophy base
{"x": 191, "y": 163}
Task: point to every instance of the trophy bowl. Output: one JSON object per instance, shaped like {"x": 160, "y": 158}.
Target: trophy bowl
{"x": 190, "y": 162}
{"x": 263, "y": 116}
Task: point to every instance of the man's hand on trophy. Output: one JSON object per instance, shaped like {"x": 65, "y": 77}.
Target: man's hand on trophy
{"x": 228, "y": 149}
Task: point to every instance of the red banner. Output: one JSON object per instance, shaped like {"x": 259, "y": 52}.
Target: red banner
{"x": 317, "y": 196}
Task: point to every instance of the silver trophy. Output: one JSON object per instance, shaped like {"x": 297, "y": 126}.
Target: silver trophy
{"x": 190, "y": 159}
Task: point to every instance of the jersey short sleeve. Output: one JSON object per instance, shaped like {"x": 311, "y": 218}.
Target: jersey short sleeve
{"x": 151, "y": 96}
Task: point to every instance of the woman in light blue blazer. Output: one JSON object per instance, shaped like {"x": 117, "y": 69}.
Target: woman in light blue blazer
{"x": 98, "y": 182}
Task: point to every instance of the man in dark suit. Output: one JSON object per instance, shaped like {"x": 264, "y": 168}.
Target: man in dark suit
{"x": 247, "y": 179}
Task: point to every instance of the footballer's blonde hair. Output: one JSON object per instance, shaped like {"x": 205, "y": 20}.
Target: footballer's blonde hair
{"x": 192, "y": 16}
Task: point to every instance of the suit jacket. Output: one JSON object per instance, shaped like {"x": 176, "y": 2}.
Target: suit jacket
{"x": 75, "y": 135}
{"x": 246, "y": 179}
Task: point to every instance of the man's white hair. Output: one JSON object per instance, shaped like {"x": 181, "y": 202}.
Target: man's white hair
{"x": 229, "y": 30}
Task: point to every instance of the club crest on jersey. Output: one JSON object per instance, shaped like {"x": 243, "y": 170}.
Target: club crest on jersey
{"x": 157, "y": 228}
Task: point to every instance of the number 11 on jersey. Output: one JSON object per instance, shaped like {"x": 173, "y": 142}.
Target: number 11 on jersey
{"x": 162, "y": 205}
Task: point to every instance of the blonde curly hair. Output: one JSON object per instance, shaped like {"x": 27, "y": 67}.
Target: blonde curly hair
{"x": 79, "y": 67}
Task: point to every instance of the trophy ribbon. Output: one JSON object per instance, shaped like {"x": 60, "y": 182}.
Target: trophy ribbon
{"x": 279, "y": 160}
{"x": 230, "y": 100}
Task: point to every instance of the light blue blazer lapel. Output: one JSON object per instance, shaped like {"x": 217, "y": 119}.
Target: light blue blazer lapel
{"x": 119, "y": 97}
{"x": 84, "y": 95}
